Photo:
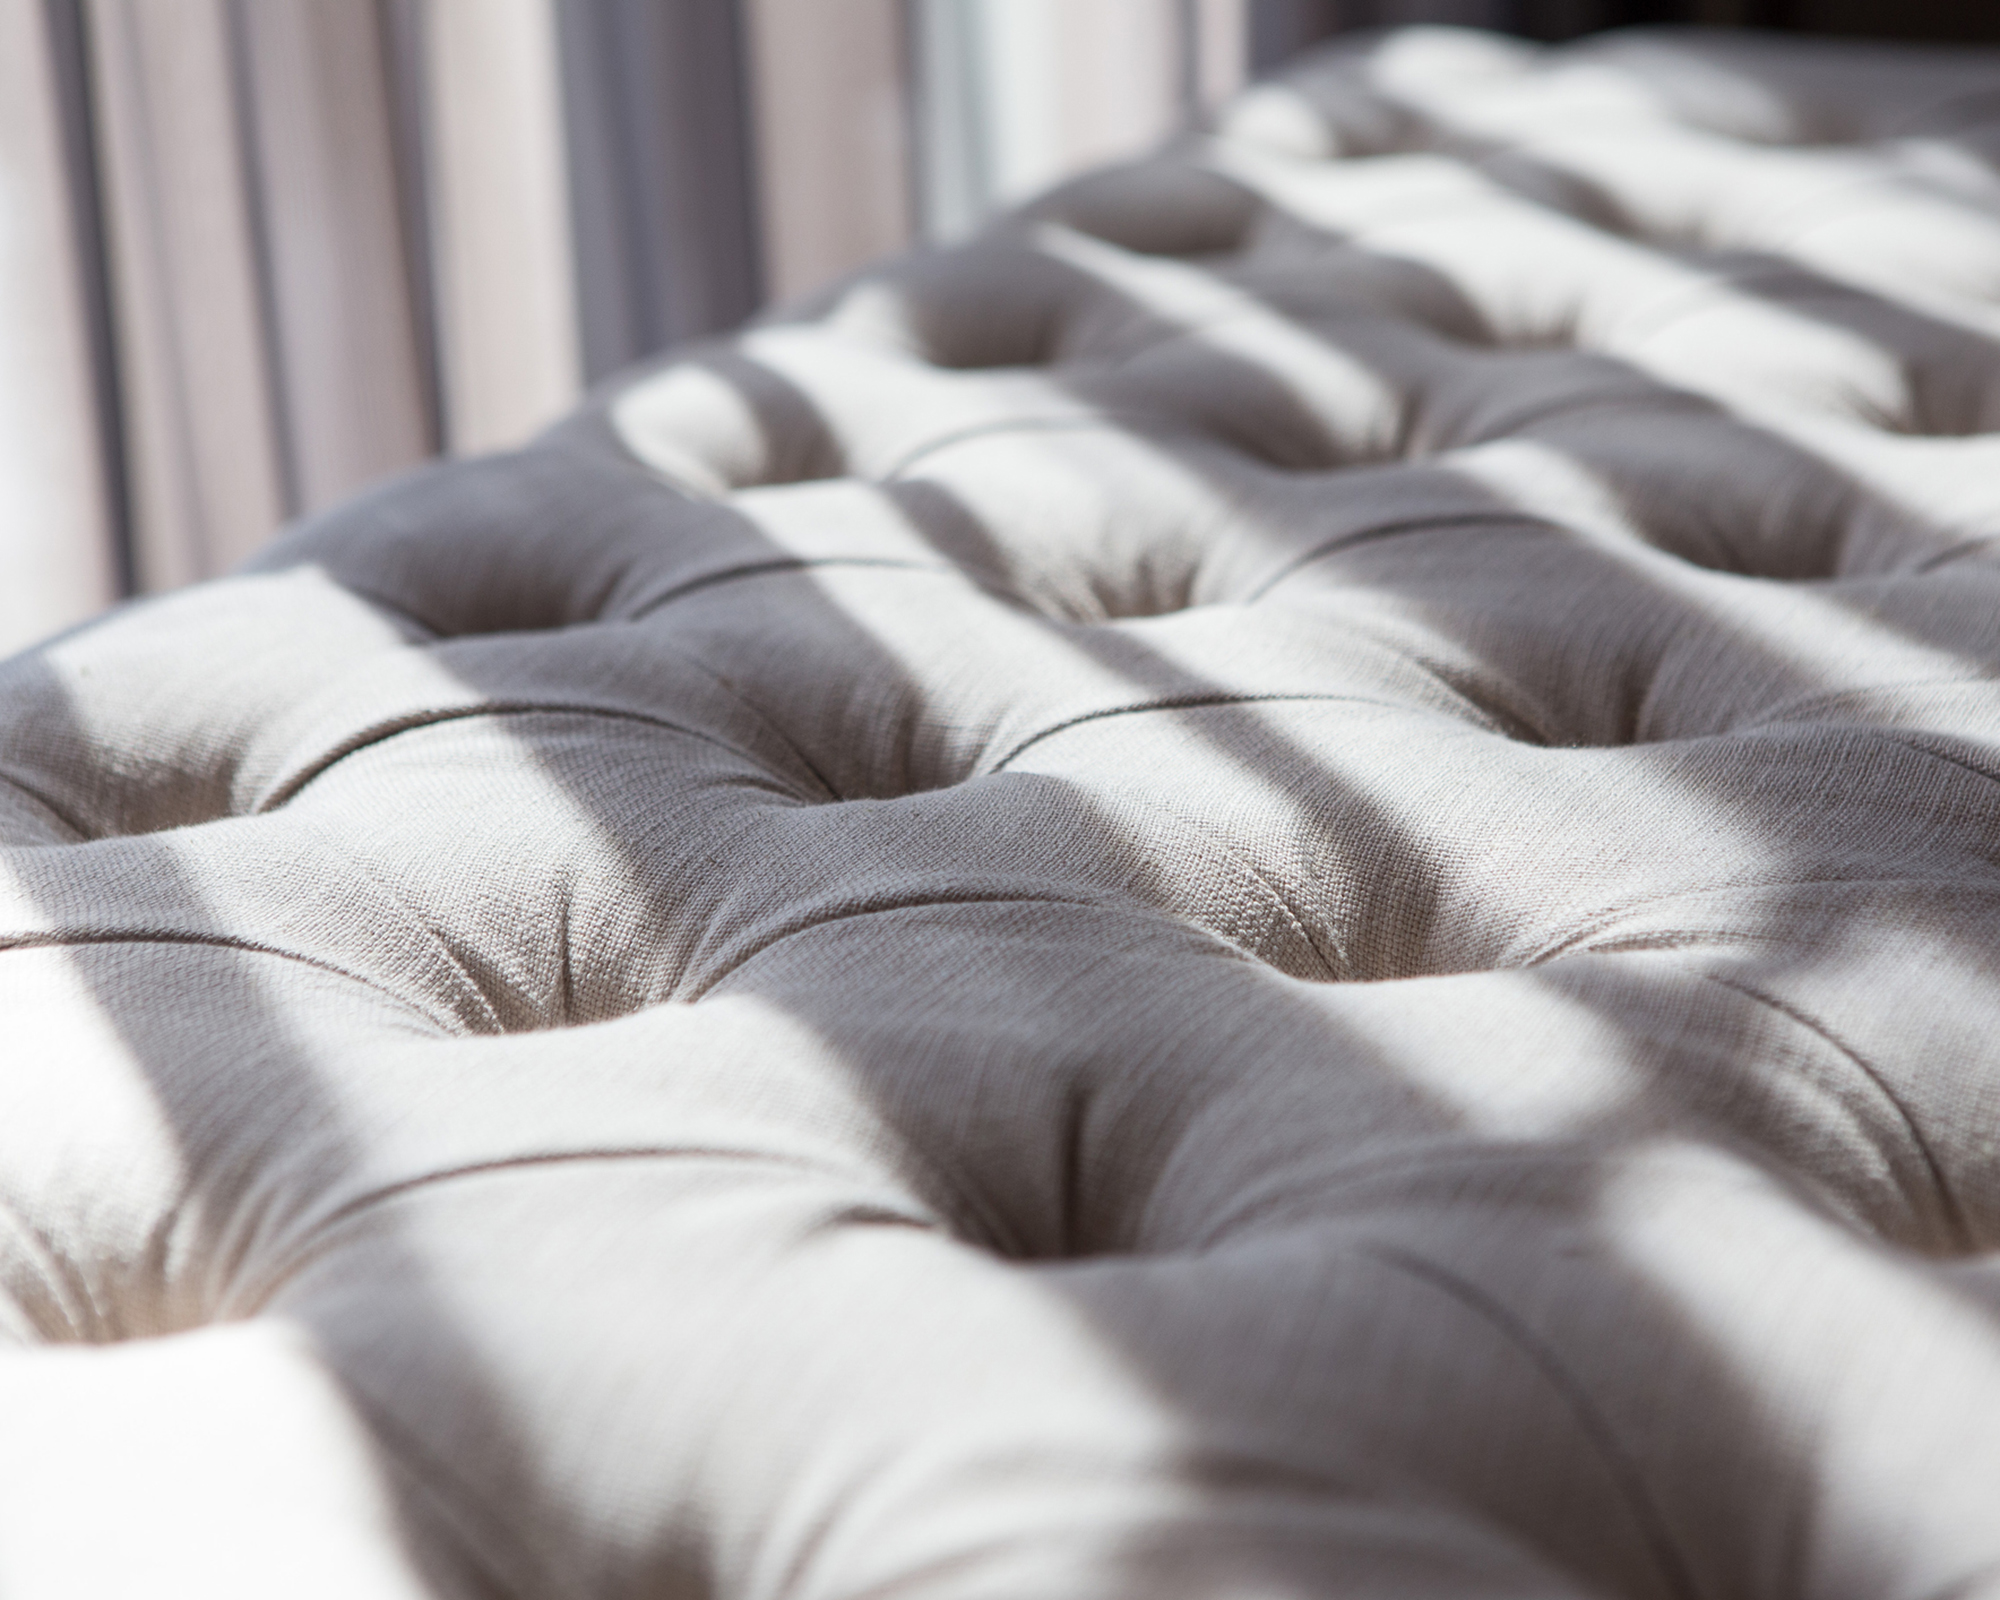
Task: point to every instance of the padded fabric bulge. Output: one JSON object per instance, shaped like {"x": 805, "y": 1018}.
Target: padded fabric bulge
{"x": 1279, "y": 884}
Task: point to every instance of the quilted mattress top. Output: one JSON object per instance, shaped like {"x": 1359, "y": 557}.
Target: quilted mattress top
{"x": 1279, "y": 884}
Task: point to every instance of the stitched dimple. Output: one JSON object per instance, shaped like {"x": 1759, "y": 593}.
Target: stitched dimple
{"x": 766, "y": 569}
{"x": 322, "y": 1229}
{"x": 1401, "y": 525}
{"x": 1332, "y": 962}
{"x": 70, "y": 1288}
{"x": 1191, "y": 702}
{"x": 38, "y": 797}
{"x": 288, "y": 788}
{"x": 1956, "y": 1225}
{"x": 1620, "y": 1466}
{"x": 1104, "y": 422}
{"x": 73, "y": 937}
{"x": 916, "y": 900}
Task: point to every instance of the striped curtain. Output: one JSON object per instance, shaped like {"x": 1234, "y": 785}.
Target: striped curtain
{"x": 256, "y": 254}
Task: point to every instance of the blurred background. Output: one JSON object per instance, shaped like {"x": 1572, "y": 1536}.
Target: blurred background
{"x": 257, "y": 254}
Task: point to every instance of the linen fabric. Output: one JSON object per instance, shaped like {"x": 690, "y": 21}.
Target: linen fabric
{"x": 1279, "y": 884}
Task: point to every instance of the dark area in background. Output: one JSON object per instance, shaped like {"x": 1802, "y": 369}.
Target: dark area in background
{"x": 1278, "y": 27}
{"x": 1965, "y": 20}
{"x": 655, "y": 93}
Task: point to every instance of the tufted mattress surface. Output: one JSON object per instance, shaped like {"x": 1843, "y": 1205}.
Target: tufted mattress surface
{"x": 1279, "y": 884}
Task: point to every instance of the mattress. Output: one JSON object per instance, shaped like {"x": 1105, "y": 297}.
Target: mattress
{"x": 1280, "y": 883}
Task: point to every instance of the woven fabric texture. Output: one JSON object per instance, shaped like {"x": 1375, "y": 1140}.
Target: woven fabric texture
{"x": 1280, "y": 884}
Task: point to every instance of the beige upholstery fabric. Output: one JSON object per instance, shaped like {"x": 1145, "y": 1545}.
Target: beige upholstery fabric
{"x": 1280, "y": 885}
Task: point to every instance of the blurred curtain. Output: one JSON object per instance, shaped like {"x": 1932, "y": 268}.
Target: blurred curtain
{"x": 832, "y": 131}
{"x": 256, "y": 254}
{"x": 1013, "y": 94}
{"x": 260, "y": 294}
{"x": 662, "y": 211}
{"x": 56, "y": 490}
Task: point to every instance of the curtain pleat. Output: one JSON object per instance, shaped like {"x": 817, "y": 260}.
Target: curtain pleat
{"x": 1219, "y": 56}
{"x": 829, "y": 96}
{"x": 256, "y": 254}
{"x": 196, "y": 367}
{"x": 663, "y": 215}
{"x": 339, "y": 241}
{"x": 495, "y": 169}
{"x": 1013, "y": 95}
{"x": 353, "y": 403}
{"x": 58, "y": 535}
